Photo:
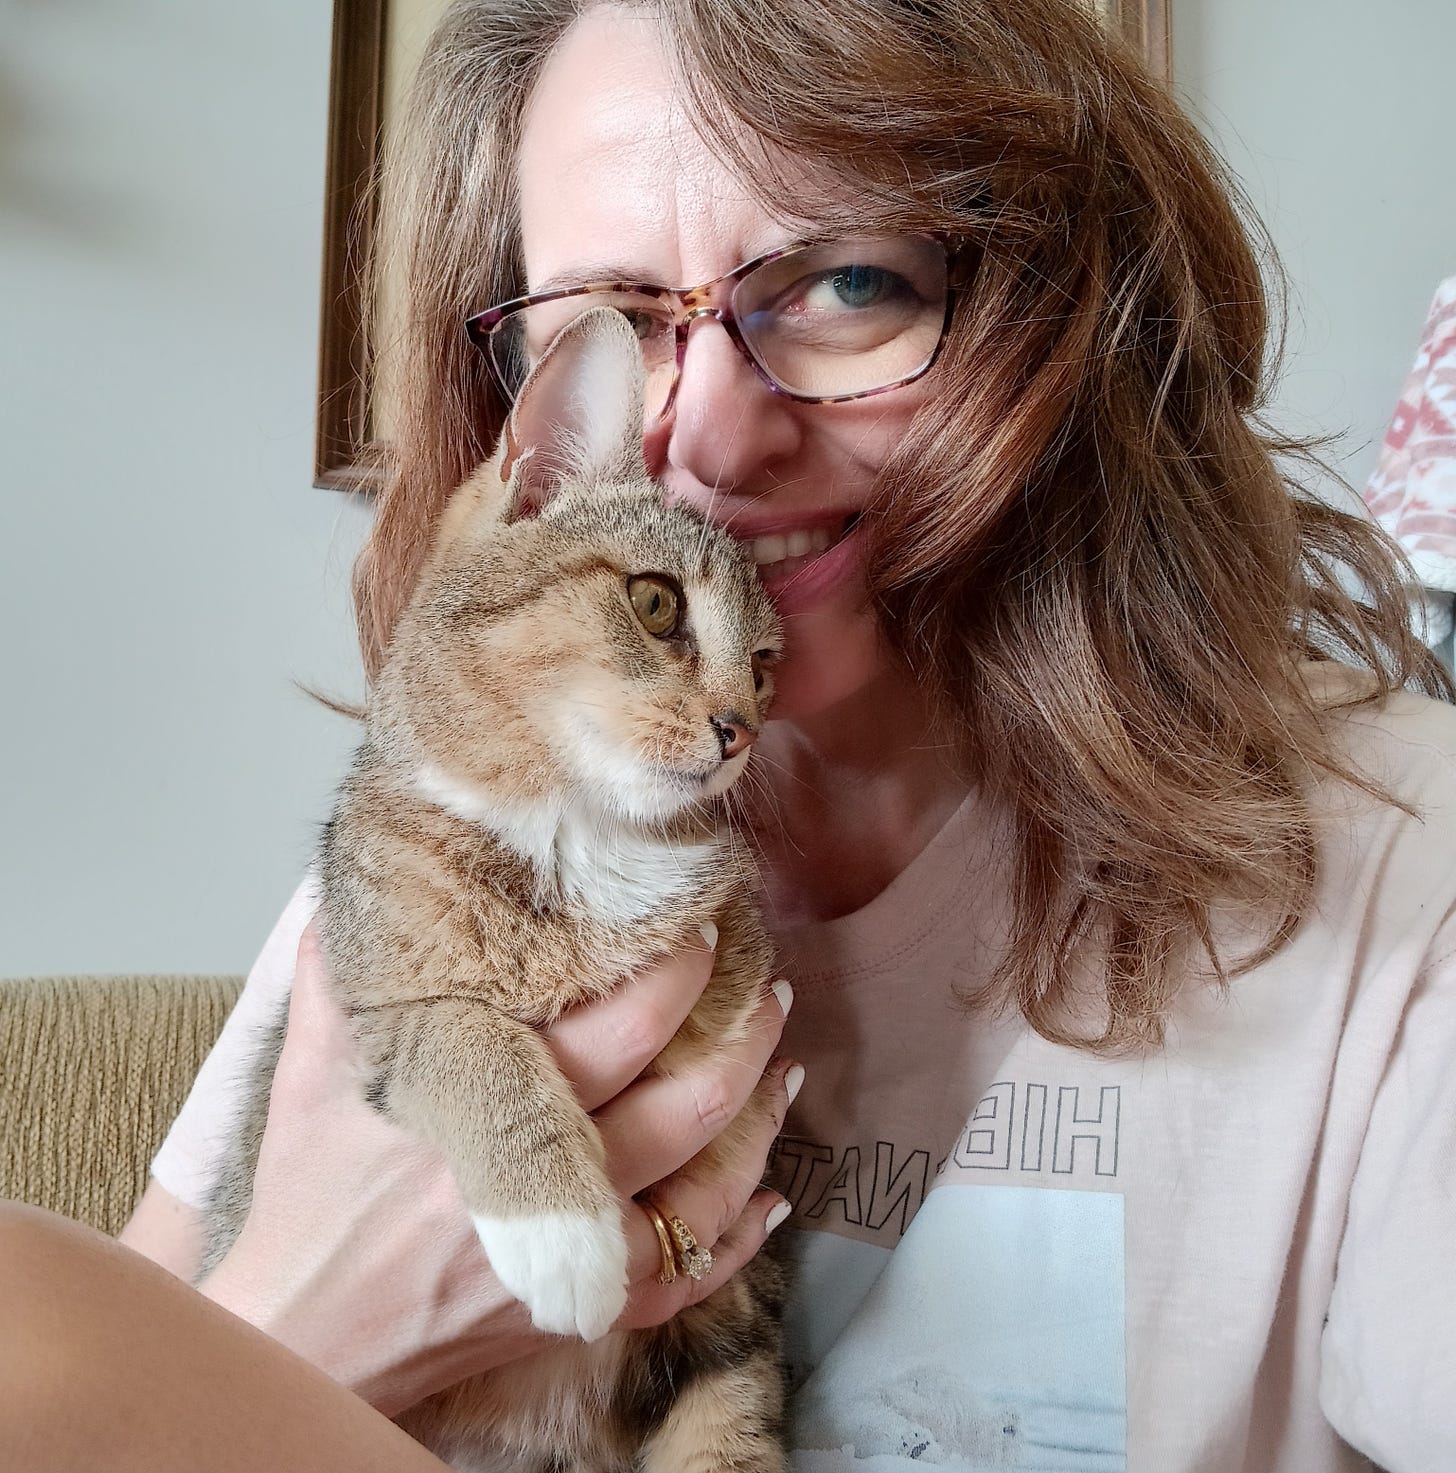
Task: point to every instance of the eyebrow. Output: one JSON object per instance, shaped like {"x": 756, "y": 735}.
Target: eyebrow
{"x": 593, "y": 272}
{"x": 600, "y": 271}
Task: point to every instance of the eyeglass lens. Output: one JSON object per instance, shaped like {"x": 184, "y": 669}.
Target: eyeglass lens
{"x": 831, "y": 319}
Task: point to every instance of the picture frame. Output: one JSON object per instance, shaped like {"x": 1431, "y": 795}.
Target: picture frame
{"x": 346, "y": 457}
{"x": 1148, "y": 25}
{"x": 375, "y": 43}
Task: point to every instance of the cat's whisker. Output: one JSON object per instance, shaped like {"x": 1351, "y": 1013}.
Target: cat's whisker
{"x": 777, "y": 489}
{"x": 770, "y": 813}
{"x": 728, "y": 447}
{"x": 789, "y": 775}
{"x": 744, "y": 861}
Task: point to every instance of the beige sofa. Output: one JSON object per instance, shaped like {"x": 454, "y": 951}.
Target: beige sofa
{"x": 92, "y": 1071}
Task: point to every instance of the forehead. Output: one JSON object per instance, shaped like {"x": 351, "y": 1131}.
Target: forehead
{"x": 613, "y": 179}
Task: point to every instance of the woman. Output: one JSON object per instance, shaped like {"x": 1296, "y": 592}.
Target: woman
{"x": 1123, "y": 935}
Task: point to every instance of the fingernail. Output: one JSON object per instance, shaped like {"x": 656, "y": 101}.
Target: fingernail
{"x": 784, "y": 993}
{"x": 793, "y": 1080}
{"x": 777, "y": 1214}
{"x": 709, "y": 932}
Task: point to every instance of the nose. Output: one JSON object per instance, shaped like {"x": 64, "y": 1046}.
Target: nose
{"x": 726, "y": 426}
{"x": 735, "y": 735}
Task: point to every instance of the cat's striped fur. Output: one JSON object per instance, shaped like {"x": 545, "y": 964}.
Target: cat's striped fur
{"x": 531, "y": 818}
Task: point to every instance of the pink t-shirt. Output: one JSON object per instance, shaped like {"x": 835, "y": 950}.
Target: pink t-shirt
{"x": 1234, "y": 1254}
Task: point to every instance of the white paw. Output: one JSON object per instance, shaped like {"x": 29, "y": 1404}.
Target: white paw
{"x": 568, "y": 1269}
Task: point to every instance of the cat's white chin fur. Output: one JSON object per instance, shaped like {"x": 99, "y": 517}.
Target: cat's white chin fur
{"x": 568, "y": 1269}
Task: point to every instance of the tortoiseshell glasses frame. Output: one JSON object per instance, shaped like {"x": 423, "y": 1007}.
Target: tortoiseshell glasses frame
{"x": 913, "y": 346}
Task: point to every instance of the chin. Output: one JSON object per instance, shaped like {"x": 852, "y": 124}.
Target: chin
{"x": 830, "y": 656}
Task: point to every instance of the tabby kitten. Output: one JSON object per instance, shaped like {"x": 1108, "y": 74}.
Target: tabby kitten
{"x": 530, "y": 819}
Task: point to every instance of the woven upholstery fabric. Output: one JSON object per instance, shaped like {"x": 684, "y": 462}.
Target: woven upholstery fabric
{"x": 92, "y": 1072}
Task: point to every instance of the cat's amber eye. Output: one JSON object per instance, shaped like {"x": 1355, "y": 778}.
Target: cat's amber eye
{"x": 657, "y": 603}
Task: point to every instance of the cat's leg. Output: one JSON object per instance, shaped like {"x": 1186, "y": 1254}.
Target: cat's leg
{"x": 486, "y": 1090}
{"x": 720, "y": 1363}
{"x": 723, "y": 1359}
{"x": 725, "y": 1421}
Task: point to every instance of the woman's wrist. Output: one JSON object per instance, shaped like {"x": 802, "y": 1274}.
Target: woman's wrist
{"x": 502, "y": 1335}
{"x": 392, "y": 1346}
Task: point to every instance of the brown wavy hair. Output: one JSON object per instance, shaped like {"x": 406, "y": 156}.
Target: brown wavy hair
{"x": 1091, "y": 543}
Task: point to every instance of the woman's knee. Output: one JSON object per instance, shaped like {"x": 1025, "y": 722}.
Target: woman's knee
{"x": 69, "y": 1292}
{"x": 79, "y": 1309}
{"x": 39, "y": 1256}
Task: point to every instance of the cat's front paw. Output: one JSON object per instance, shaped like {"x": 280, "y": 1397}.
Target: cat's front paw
{"x": 567, "y": 1268}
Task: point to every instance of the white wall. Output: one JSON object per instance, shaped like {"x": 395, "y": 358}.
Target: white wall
{"x": 165, "y": 567}
{"x": 1339, "y": 116}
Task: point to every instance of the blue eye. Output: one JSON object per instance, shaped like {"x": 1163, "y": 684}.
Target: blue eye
{"x": 860, "y": 286}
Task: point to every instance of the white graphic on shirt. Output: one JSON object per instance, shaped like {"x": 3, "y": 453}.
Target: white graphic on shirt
{"x": 993, "y": 1338}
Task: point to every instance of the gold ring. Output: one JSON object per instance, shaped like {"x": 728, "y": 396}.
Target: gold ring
{"x": 664, "y": 1240}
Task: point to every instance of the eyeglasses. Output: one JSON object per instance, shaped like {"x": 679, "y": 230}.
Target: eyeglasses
{"x": 821, "y": 323}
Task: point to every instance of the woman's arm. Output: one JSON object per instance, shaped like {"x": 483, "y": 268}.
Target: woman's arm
{"x": 166, "y": 1230}
{"x": 187, "y": 1161}
{"x": 358, "y": 1253}
{"x": 167, "y": 1223}
{"x": 1388, "y": 1350}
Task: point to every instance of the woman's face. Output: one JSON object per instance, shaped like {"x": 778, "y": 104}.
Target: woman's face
{"x": 616, "y": 185}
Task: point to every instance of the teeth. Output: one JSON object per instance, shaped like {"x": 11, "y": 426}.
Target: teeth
{"x": 775, "y": 548}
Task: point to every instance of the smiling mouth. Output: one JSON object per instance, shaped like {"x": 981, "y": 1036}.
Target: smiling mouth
{"x": 782, "y": 553}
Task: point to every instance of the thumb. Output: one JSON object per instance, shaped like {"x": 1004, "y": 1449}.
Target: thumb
{"x": 318, "y": 1037}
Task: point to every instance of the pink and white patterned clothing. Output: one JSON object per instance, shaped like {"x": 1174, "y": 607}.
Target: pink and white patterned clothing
{"x": 1412, "y": 493}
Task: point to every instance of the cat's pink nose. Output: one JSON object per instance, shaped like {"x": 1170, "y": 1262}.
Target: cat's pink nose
{"x": 734, "y": 734}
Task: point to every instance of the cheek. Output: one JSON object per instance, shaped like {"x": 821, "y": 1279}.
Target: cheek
{"x": 853, "y": 441}
{"x": 650, "y": 718}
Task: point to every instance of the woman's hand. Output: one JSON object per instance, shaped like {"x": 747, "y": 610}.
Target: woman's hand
{"x": 358, "y": 1252}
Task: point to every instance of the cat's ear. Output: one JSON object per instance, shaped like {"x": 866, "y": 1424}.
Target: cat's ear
{"x": 578, "y": 415}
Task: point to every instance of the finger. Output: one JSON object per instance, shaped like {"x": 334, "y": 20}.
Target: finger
{"x": 311, "y": 1000}
{"x": 318, "y": 1045}
{"x": 661, "y": 1122}
{"x": 710, "y": 1204}
{"x": 603, "y": 1046}
{"x": 652, "y": 1303}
